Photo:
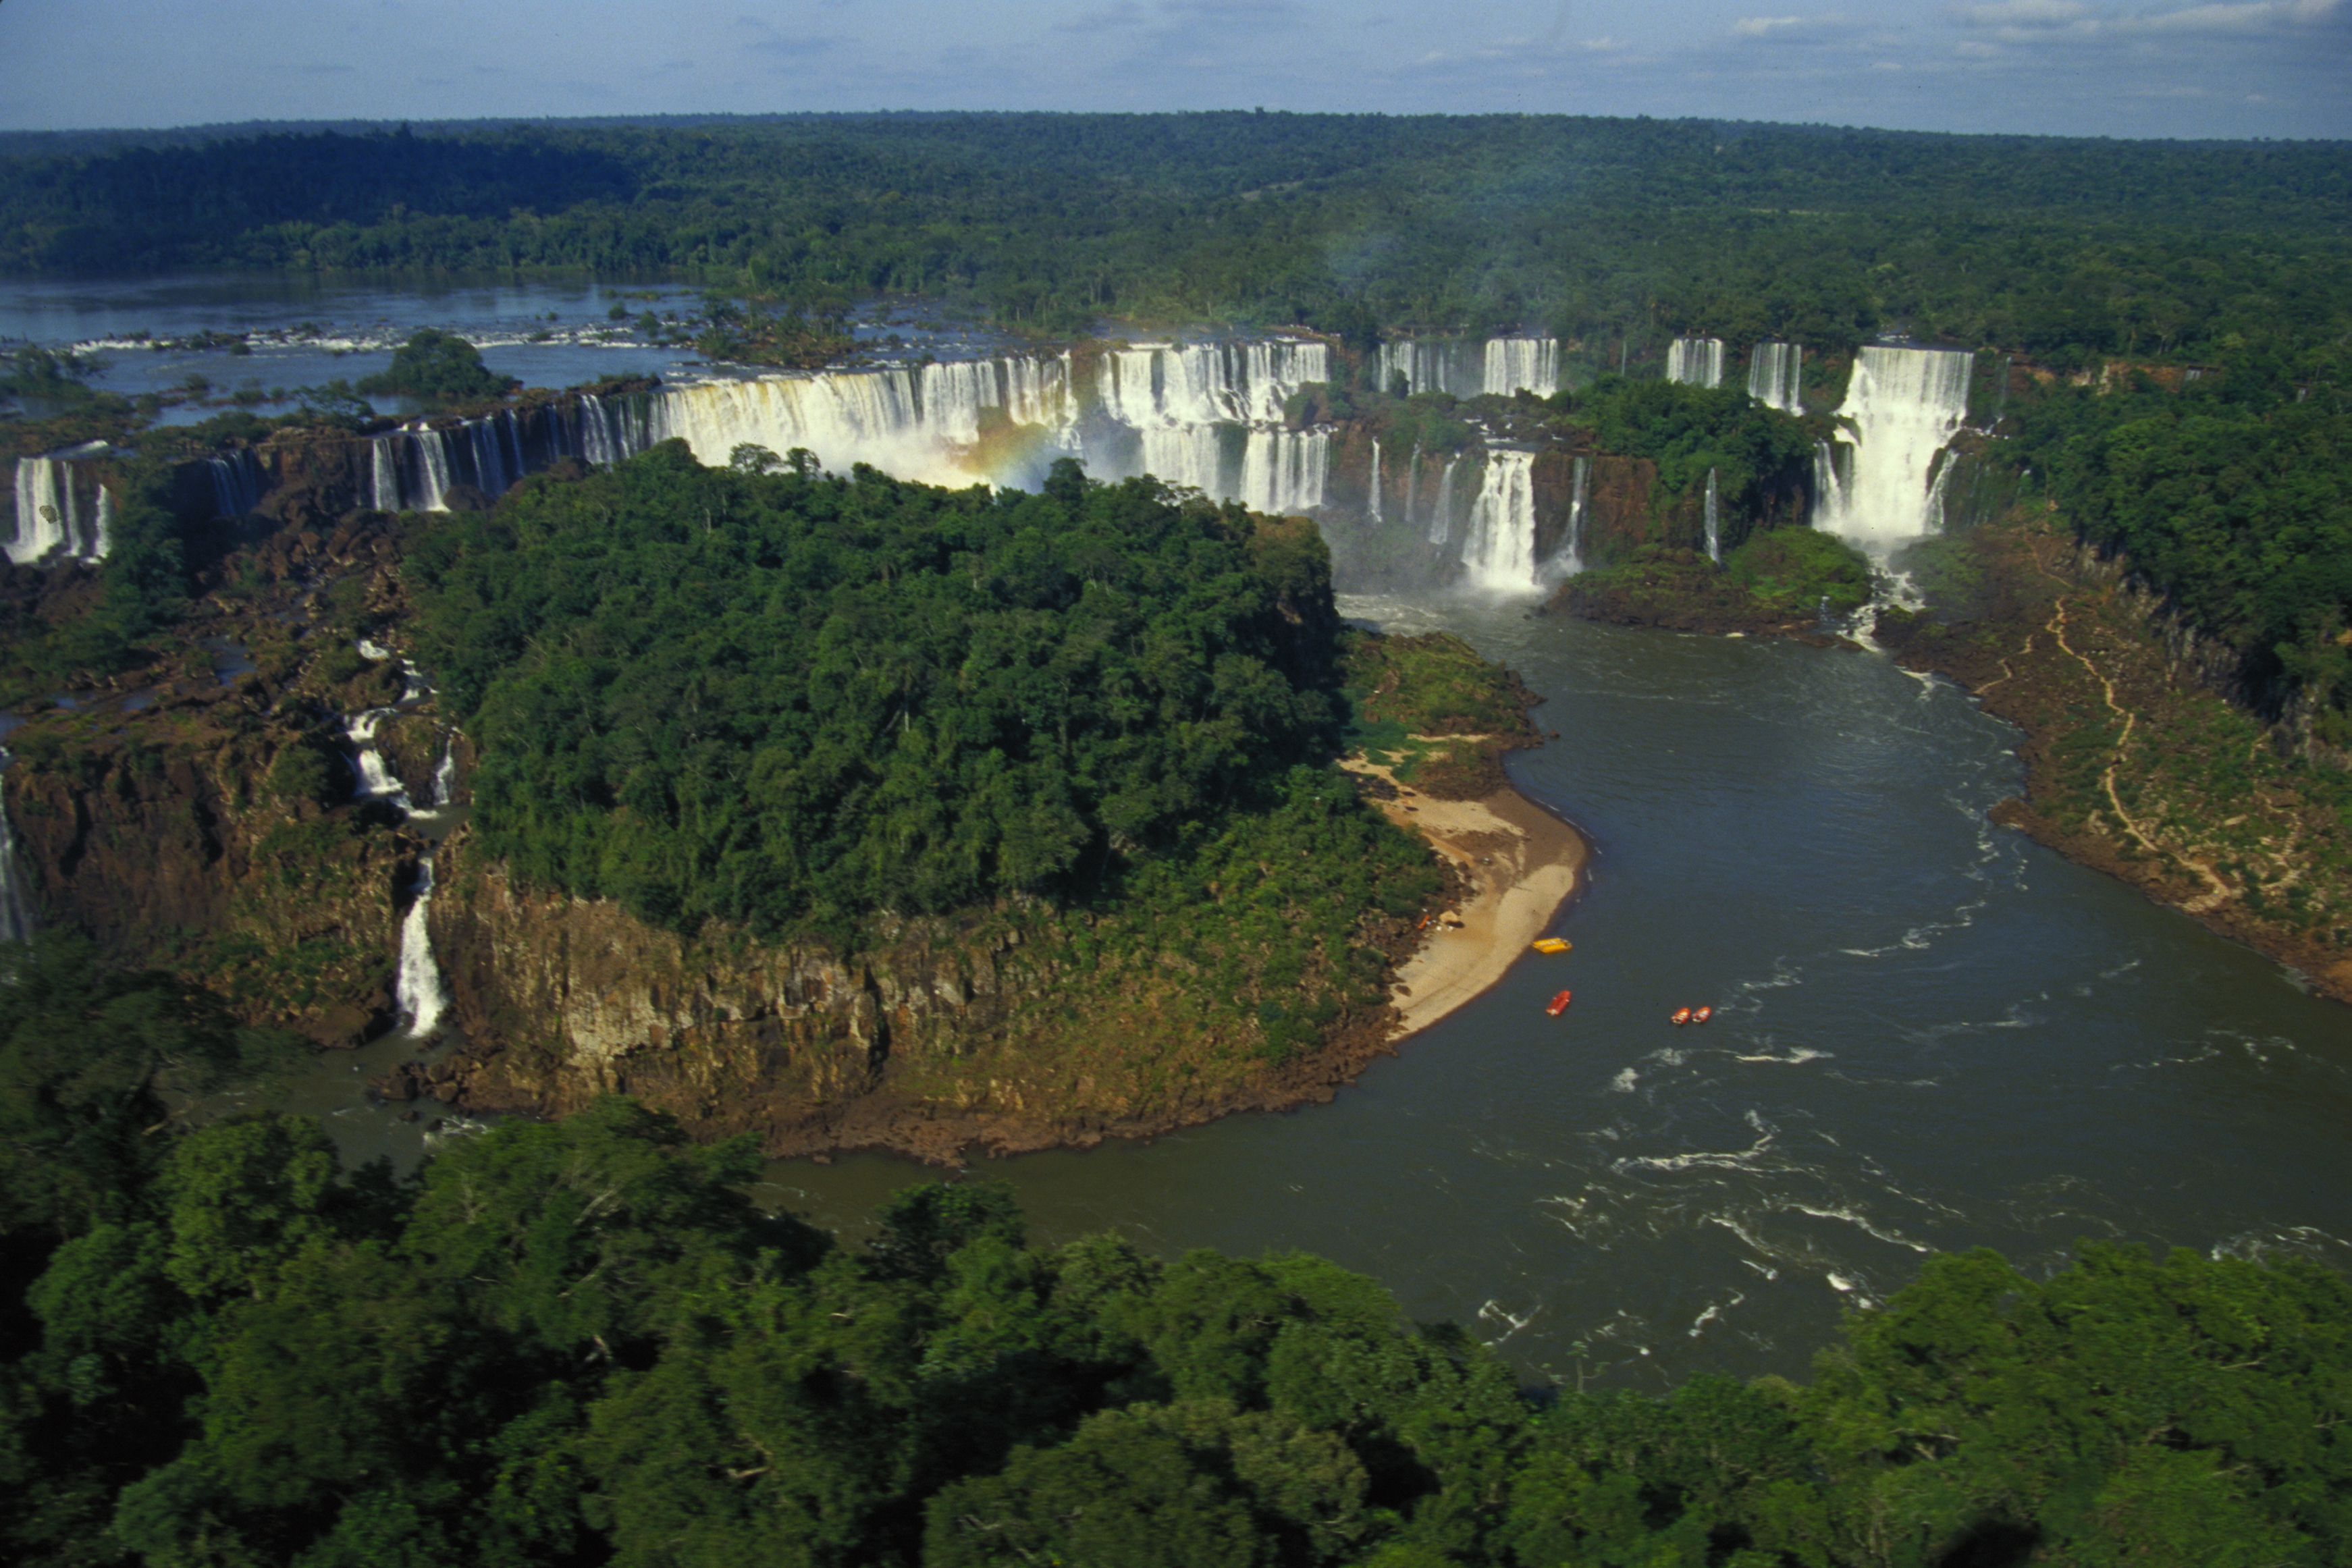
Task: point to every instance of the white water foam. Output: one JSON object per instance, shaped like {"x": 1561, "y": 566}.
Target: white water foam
{"x": 1499, "y": 555}
{"x": 1903, "y": 406}
{"x": 1696, "y": 362}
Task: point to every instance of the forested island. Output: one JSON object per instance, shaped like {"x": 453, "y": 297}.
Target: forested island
{"x": 763, "y": 802}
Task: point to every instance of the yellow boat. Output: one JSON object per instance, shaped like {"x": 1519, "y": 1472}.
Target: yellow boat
{"x": 1552, "y": 944}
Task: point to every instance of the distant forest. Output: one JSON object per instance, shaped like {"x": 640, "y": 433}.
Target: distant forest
{"x": 2100, "y": 263}
{"x": 1592, "y": 228}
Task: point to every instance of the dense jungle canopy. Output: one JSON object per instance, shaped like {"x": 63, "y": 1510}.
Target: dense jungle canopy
{"x": 1347, "y": 223}
{"x": 579, "y": 1343}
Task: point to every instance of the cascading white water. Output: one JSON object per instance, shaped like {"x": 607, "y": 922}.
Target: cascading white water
{"x": 377, "y": 783}
{"x": 1903, "y": 406}
{"x": 1179, "y": 405}
{"x": 432, "y": 469}
{"x": 1714, "y": 526}
{"x": 1696, "y": 362}
{"x": 1575, "y": 562}
{"x": 383, "y": 474}
{"x": 1376, "y": 485}
{"x": 1191, "y": 457}
{"x": 1441, "y": 520}
{"x": 1516, "y": 363}
{"x": 1454, "y": 366}
{"x": 1207, "y": 384}
{"x": 1283, "y": 470}
{"x": 16, "y": 919}
{"x": 1773, "y": 376}
{"x": 418, "y": 992}
{"x": 1499, "y": 553}
{"x": 51, "y": 521}
{"x": 1201, "y": 415}
{"x": 491, "y": 474}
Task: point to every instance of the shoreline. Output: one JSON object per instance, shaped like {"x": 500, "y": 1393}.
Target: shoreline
{"x": 1524, "y": 864}
{"x": 2013, "y": 660}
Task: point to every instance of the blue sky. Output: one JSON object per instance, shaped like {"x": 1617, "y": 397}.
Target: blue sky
{"x": 2112, "y": 68}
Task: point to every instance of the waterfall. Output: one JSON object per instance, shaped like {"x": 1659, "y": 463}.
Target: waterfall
{"x": 433, "y": 468}
{"x": 1714, "y": 527}
{"x": 236, "y": 483}
{"x": 601, "y": 432}
{"x": 1207, "y": 384}
{"x": 489, "y": 450}
{"x": 1512, "y": 363}
{"x": 51, "y": 520}
{"x": 1500, "y": 552}
{"x": 1376, "y": 486}
{"x": 1411, "y": 484}
{"x": 1451, "y": 366}
{"x": 1698, "y": 361}
{"x": 1441, "y": 520}
{"x": 418, "y": 992}
{"x": 383, "y": 474}
{"x": 1192, "y": 457}
{"x": 1180, "y": 411}
{"x": 377, "y": 781}
{"x": 1283, "y": 471}
{"x": 1904, "y": 406}
{"x": 1202, "y": 416}
{"x": 16, "y": 922}
{"x": 1773, "y": 372}
{"x": 1576, "y": 515}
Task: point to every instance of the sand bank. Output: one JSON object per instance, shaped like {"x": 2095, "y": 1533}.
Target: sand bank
{"x": 1523, "y": 863}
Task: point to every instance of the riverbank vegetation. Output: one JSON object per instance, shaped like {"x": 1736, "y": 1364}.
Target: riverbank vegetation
{"x": 787, "y": 703}
{"x": 2138, "y": 761}
{"x": 1433, "y": 713}
{"x": 579, "y": 1343}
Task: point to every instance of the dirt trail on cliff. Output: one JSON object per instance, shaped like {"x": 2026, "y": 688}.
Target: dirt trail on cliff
{"x": 1522, "y": 862}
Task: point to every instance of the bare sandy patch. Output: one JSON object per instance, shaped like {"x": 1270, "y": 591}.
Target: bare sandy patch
{"x": 1522, "y": 862}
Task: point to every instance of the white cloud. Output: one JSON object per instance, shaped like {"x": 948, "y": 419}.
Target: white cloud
{"x": 2019, "y": 19}
{"x": 1757, "y": 26}
{"x": 2238, "y": 19}
{"x": 2024, "y": 14}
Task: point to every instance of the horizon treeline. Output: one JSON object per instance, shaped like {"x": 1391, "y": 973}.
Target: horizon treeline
{"x": 1600, "y": 229}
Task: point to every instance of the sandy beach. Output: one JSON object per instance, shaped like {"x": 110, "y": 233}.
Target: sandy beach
{"x": 1523, "y": 863}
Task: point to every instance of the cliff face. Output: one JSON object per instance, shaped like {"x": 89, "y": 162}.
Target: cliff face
{"x": 168, "y": 843}
{"x": 2146, "y": 754}
{"x": 1014, "y": 1028}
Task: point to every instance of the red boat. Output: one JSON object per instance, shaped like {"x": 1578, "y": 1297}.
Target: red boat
{"x": 1702, "y": 1015}
{"x": 1559, "y": 1004}
{"x": 1682, "y": 1016}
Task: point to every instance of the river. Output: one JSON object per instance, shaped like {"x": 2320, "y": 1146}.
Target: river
{"x": 1930, "y": 1033}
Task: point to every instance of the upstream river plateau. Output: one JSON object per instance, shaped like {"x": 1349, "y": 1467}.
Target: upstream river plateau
{"x": 1930, "y": 1034}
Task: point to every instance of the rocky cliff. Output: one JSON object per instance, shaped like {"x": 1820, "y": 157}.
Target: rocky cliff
{"x": 196, "y": 835}
{"x": 1016, "y": 1027}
